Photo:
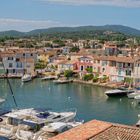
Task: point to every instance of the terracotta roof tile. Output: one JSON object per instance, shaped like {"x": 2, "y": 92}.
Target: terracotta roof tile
{"x": 83, "y": 132}
{"x": 119, "y": 132}
{"x": 99, "y": 130}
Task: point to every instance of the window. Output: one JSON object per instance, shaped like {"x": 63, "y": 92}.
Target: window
{"x": 10, "y": 65}
{"x": 17, "y": 59}
{"x": 128, "y": 72}
{"x": 82, "y": 68}
{"x": 10, "y": 58}
{"x": 19, "y": 65}
{"x": 103, "y": 70}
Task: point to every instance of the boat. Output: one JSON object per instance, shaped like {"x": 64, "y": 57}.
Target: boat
{"x": 59, "y": 127}
{"x": 2, "y": 100}
{"x": 56, "y": 127}
{"x": 36, "y": 118}
{"x": 133, "y": 95}
{"x": 8, "y": 131}
{"x": 26, "y": 78}
{"x": 118, "y": 92}
{"x": 137, "y": 98}
{"x": 49, "y": 78}
{"x": 24, "y": 132}
{"x": 62, "y": 81}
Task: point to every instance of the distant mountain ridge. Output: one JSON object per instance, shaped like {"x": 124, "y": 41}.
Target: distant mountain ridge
{"x": 115, "y": 28}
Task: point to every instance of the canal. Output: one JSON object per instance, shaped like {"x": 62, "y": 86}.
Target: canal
{"x": 90, "y": 101}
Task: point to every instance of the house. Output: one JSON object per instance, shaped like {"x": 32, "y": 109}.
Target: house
{"x": 100, "y": 130}
{"x": 18, "y": 62}
{"x": 84, "y": 63}
{"x": 116, "y": 68}
{"x": 110, "y": 49}
{"x": 67, "y": 65}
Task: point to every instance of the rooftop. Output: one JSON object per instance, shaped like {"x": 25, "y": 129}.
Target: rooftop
{"x": 99, "y": 130}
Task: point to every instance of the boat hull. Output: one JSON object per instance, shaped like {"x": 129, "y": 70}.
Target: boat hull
{"x": 118, "y": 93}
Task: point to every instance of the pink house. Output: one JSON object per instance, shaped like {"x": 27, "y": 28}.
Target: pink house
{"x": 84, "y": 63}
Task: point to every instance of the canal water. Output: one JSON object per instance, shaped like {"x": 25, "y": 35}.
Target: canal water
{"x": 90, "y": 101}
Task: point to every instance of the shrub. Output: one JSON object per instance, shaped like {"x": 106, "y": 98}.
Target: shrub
{"x": 88, "y": 77}
{"x": 89, "y": 70}
{"x": 68, "y": 73}
{"x": 95, "y": 79}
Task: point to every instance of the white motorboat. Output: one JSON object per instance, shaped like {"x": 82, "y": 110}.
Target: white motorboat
{"x": 49, "y": 78}
{"x": 137, "y": 98}
{"x": 26, "y": 78}
{"x": 56, "y": 127}
{"x": 24, "y": 132}
{"x": 34, "y": 117}
{"x": 8, "y": 131}
{"x": 2, "y": 100}
{"x": 133, "y": 95}
{"x": 62, "y": 81}
{"x": 59, "y": 127}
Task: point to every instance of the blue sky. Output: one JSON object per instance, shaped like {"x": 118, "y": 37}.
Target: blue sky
{"x": 25, "y": 15}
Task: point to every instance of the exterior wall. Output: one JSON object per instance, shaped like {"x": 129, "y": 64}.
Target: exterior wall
{"x": 136, "y": 73}
{"x": 19, "y": 64}
{"x": 63, "y": 67}
{"x": 43, "y": 57}
{"x": 84, "y": 63}
{"x": 97, "y": 66}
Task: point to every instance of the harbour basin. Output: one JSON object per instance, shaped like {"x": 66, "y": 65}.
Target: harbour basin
{"x": 90, "y": 101}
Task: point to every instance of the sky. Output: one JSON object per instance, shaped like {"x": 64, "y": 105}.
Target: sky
{"x": 26, "y": 15}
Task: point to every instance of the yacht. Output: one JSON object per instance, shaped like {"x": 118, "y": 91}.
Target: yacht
{"x": 26, "y": 78}
{"x": 2, "y": 100}
{"x": 137, "y": 98}
{"x": 59, "y": 127}
{"x": 34, "y": 117}
{"x": 8, "y": 131}
{"x": 133, "y": 95}
{"x": 118, "y": 92}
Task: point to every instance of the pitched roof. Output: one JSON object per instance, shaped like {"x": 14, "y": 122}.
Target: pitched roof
{"x": 119, "y": 132}
{"x": 99, "y": 130}
{"x": 122, "y": 59}
{"x": 83, "y": 132}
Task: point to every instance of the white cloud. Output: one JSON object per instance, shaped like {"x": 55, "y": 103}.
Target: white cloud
{"x": 26, "y": 25}
{"x": 120, "y": 3}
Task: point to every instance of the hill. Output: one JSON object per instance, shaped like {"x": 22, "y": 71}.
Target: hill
{"x": 115, "y": 28}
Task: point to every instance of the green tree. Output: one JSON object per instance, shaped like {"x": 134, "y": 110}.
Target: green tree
{"x": 40, "y": 65}
{"x": 74, "y": 49}
{"x": 68, "y": 73}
